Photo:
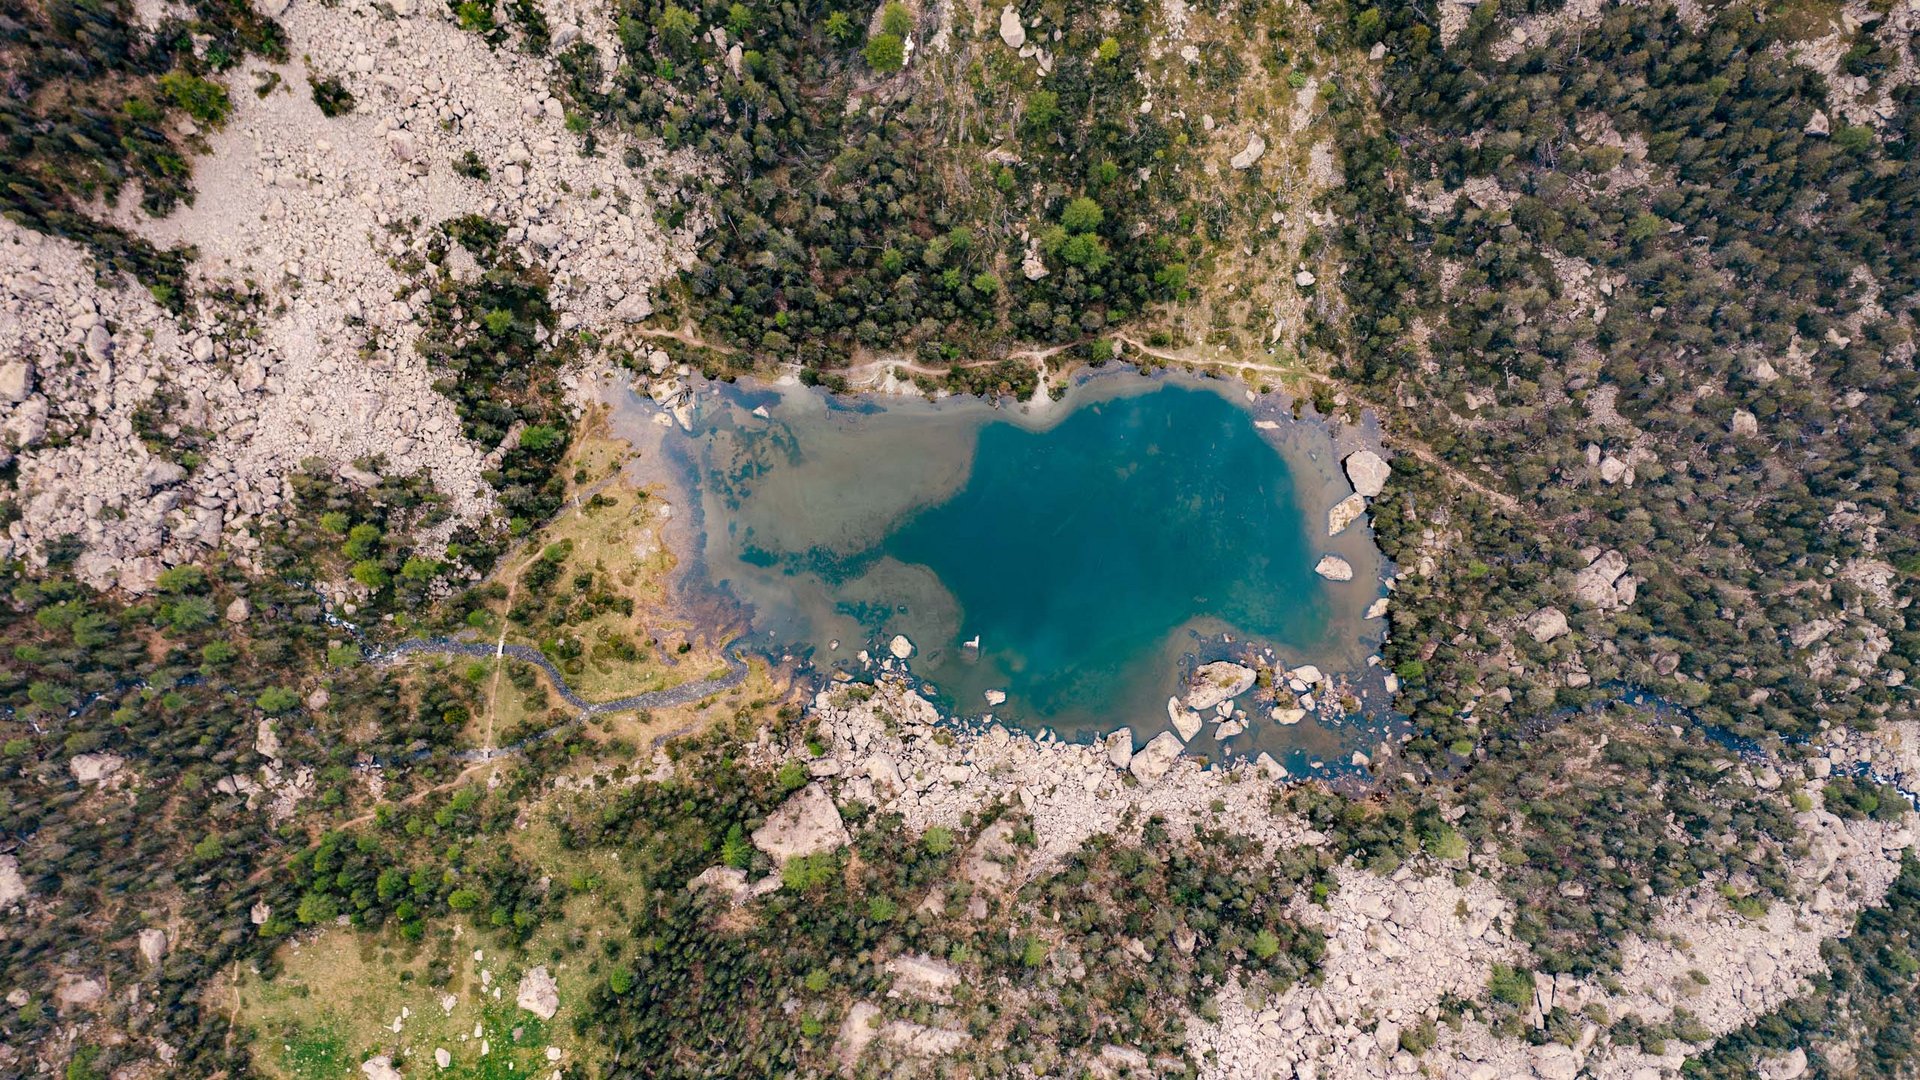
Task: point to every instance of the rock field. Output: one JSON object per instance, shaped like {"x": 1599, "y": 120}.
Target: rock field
{"x": 316, "y": 216}
{"x": 1396, "y": 944}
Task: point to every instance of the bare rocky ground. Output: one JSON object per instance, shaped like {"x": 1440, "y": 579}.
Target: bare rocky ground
{"x": 1396, "y": 944}
{"x": 315, "y": 220}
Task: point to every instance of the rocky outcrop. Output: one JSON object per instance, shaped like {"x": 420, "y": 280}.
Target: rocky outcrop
{"x": 322, "y": 365}
{"x": 537, "y": 993}
{"x": 380, "y": 1068}
{"x": 857, "y": 1032}
{"x": 806, "y": 824}
{"x": 13, "y": 887}
{"x": 922, "y": 976}
{"x": 1605, "y": 583}
{"x": 95, "y": 768}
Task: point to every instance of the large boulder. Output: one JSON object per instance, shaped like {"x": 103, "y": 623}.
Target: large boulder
{"x": 13, "y": 887}
{"x": 806, "y": 824}
{"x": 1256, "y": 147}
{"x": 380, "y": 1068}
{"x": 1368, "y": 472}
{"x": 1345, "y": 512}
{"x": 1218, "y": 682}
{"x": 78, "y": 992}
{"x": 153, "y": 945}
{"x": 1334, "y": 568}
{"x": 725, "y": 880}
{"x": 1011, "y": 30}
{"x": 95, "y": 768}
{"x": 1154, "y": 759}
{"x": 16, "y": 381}
{"x": 1120, "y": 748}
{"x": 1546, "y": 624}
{"x": 537, "y": 993}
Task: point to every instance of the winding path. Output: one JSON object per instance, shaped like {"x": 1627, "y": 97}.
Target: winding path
{"x": 684, "y": 694}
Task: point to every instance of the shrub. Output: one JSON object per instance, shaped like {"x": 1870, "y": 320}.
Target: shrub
{"x": 896, "y": 19}
{"x": 886, "y": 53}
{"x": 331, "y": 95}
{"x": 204, "y": 100}
{"x": 277, "y": 699}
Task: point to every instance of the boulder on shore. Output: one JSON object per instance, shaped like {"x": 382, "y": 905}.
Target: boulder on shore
{"x": 1368, "y": 472}
{"x": 1345, "y": 512}
{"x": 1154, "y": 759}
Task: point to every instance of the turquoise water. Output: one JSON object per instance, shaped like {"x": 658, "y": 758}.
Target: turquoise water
{"x": 1087, "y": 549}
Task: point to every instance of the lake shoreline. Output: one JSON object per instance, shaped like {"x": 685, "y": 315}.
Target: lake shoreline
{"x": 1311, "y": 446}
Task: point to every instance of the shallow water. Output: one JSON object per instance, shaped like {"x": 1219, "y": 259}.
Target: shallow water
{"x": 1090, "y": 546}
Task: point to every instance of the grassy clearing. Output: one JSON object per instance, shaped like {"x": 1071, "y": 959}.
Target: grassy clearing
{"x": 337, "y": 1001}
{"x": 592, "y": 590}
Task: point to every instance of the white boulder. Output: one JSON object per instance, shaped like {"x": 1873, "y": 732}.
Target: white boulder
{"x": 806, "y": 824}
{"x": 1154, "y": 759}
{"x": 1334, "y": 568}
{"x": 537, "y": 993}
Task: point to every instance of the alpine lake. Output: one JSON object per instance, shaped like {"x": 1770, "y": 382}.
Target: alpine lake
{"x": 1055, "y": 566}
